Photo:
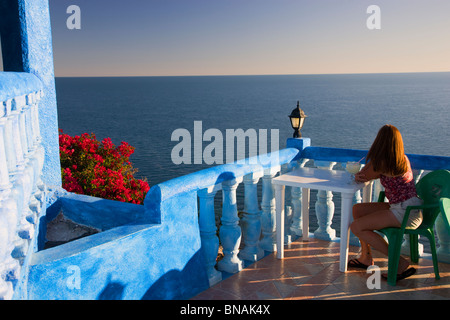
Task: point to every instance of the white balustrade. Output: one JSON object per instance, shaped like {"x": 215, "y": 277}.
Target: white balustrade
{"x": 21, "y": 196}
{"x": 254, "y": 235}
{"x": 241, "y": 239}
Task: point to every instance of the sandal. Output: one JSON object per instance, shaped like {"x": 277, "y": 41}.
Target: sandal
{"x": 405, "y": 274}
{"x": 354, "y": 263}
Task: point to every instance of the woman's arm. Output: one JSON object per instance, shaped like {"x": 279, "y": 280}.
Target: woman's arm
{"x": 366, "y": 174}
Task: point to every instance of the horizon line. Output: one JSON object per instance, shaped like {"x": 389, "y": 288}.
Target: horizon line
{"x": 249, "y": 75}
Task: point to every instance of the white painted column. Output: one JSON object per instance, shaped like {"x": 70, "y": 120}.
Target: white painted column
{"x": 268, "y": 225}
{"x": 4, "y": 172}
{"x": 208, "y": 233}
{"x": 230, "y": 232}
{"x": 8, "y": 214}
{"x": 296, "y": 205}
{"x": 325, "y": 207}
{"x": 22, "y": 180}
{"x": 251, "y": 221}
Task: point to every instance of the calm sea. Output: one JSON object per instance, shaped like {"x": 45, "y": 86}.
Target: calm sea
{"x": 343, "y": 111}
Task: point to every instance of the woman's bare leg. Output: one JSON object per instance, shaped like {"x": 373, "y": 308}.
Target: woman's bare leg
{"x": 360, "y": 210}
{"x": 363, "y": 227}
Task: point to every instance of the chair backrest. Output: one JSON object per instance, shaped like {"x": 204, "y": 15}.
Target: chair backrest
{"x": 431, "y": 188}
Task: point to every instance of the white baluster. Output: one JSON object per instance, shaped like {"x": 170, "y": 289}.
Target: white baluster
{"x": 285, "y": 168}
{"x": 23, "y": 180}
{"x": 5, "y": 184}
{"x": 230, "y": 232}
{"x": 9, "y": 141}
{"x": 6, "y": 288}
{"x": 8, "y": 219}
{"x": 37, "y": 200}
{"x": 35, "y": 117}
{"x": 325, "y": 207}
{"x": 8, "y": 227}
{"x": 296, "y": 204}
{"x": 29, "y": 123}
{"x": 251, "y": 222}
{"x": 34, "y": 204}
{"x": 208, "y": 233}
{"x": 22, "y": 125}
{"x": 268, "y": 224}
{"x": 17, "y": 140}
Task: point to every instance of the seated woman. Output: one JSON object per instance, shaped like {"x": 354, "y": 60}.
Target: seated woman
{"x": 387, "y": 161}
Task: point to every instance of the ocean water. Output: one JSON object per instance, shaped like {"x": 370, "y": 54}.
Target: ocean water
{"x": 343, "y": 111}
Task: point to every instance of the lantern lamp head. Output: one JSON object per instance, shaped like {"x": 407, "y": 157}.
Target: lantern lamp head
{"x": 297, "y": 118}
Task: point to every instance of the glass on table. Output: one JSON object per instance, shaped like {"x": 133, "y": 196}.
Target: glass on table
{"x": 353, "y": 168}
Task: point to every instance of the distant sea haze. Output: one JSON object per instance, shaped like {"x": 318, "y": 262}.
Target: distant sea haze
{"x": 343, "y": 111}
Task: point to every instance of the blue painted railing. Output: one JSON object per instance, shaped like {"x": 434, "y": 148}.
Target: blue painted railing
{"x": 155, "y": 251}
{"x": 244, "y": 240}
{"x": 168, "y": 200}
{"x": 418, "y": 162}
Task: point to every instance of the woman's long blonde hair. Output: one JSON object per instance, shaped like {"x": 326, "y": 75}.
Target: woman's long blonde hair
{"x": 387, "y": 153}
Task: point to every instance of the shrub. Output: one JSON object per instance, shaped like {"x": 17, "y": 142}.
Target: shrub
{"x": 99, "y": 169}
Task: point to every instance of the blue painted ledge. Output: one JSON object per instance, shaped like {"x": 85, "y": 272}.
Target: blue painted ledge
{"x": 99, "y": 213}
{"x": 136, "y": 260}
{"x": 16, "y": 84}
{"x": 209, "y": 177}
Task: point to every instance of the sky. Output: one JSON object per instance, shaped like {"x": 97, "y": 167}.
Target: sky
{"x": 240, "y": 37}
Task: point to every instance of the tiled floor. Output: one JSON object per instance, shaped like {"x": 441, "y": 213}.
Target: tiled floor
{"x": 310, "y": 270}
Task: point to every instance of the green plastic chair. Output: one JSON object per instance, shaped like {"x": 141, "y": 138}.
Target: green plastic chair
{"x": 432, "y": 189}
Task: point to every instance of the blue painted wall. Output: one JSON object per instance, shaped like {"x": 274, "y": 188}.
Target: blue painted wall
{"x": 16, "y": 84}
{"x": 27, "y": 47}
{"x": 138, "y": 260}
{"x": 145, "y": 252}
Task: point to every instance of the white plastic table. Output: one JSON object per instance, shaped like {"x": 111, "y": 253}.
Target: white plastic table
{"x": 319, "y": 179}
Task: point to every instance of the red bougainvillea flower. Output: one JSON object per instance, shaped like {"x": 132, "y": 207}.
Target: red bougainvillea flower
{"x": 99, "y": 169}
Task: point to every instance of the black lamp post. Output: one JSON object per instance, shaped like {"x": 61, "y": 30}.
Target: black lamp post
{"x": 297, "y": 118}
